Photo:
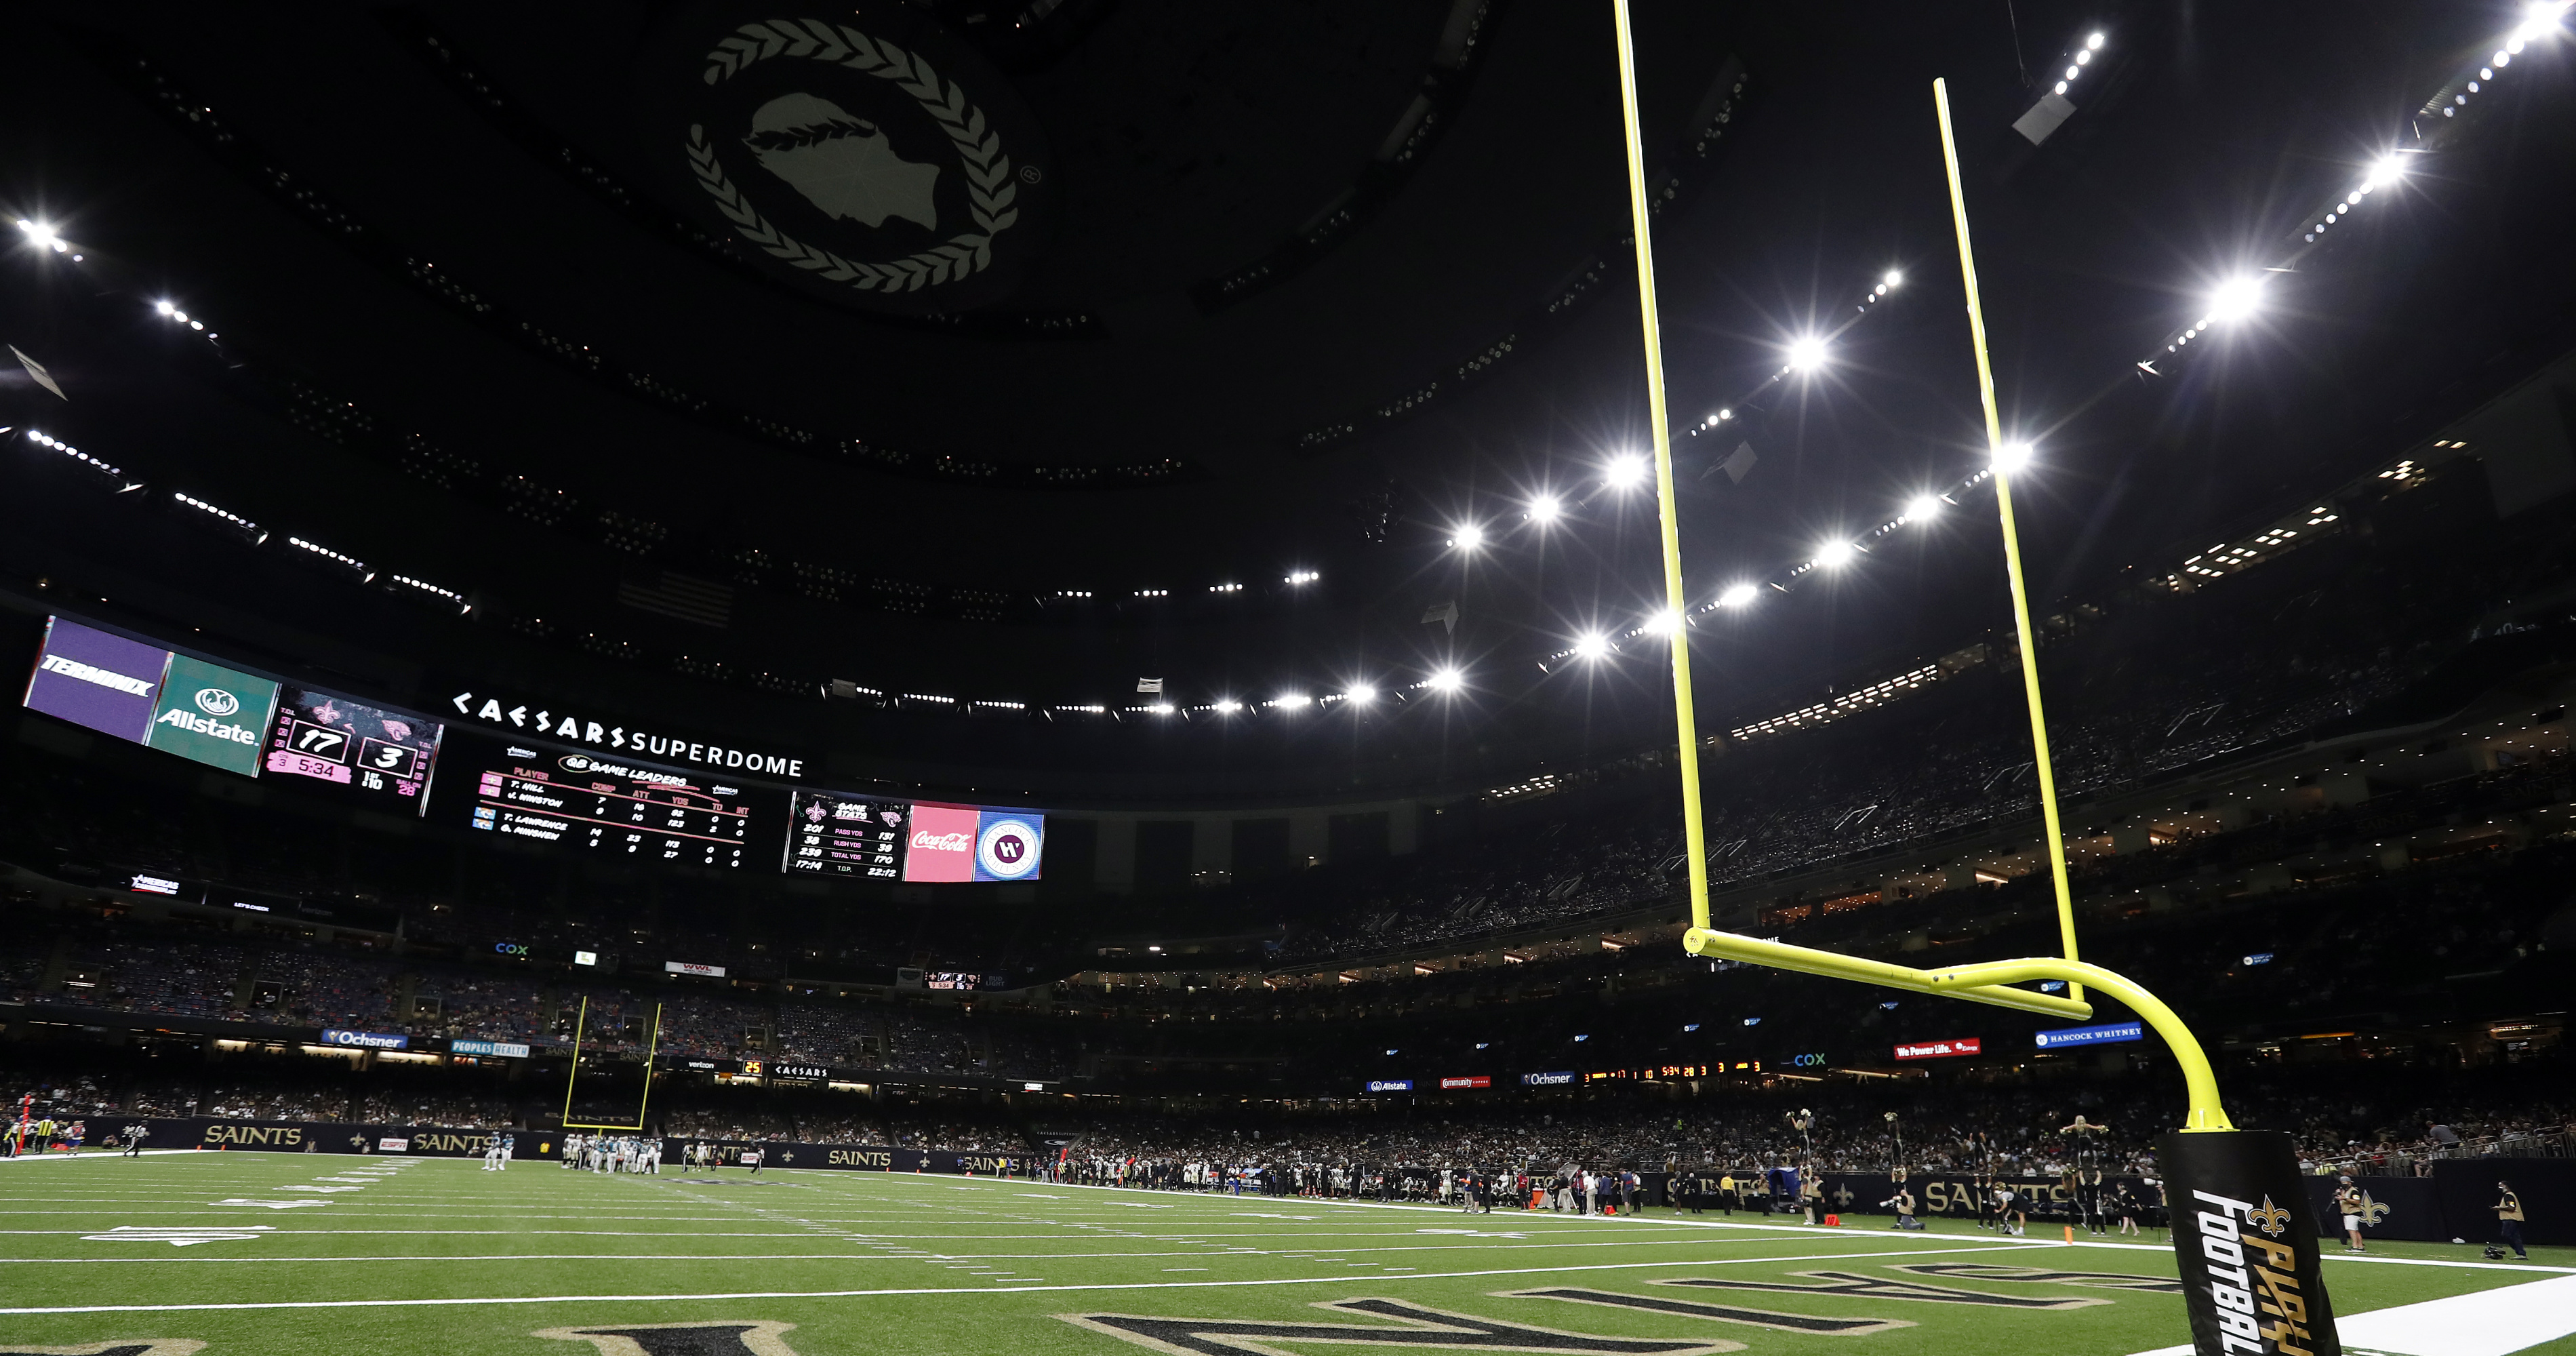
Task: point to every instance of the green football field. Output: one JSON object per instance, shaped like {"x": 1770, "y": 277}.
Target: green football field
{"x": 343, "y": 1256}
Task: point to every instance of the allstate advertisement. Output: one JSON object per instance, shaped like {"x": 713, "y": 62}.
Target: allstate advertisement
{"x": 213, "y": 714}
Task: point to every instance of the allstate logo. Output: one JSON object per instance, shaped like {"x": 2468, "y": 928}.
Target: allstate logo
{"x": 1007, "y": 849}
{"x": 215, "y": 701}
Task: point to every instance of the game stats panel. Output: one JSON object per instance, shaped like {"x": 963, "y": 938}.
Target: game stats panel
{"x": 583, "y": 802}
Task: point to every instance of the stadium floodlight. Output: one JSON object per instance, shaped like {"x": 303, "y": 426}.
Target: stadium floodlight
{"x": 1361, "y": 694}
{"x": 2539, "y": 19}
{"x": 1923, "y": 506}
{"x": 1737, "y": 595}
{"x": 1663, "y": 621}
{"x": 1226, "y": 706}
{"x": 1893, "y": 279}
{"x": 2236, "y": 298}
{"x": 1298, "y": 577}
{"x": 2093, "y": 43}
{"x": 2387, "y": 169}
{"x": 1591, "y": 645}
{"x": 42, "y": 236}
{"x": 1835, "y": 554}
{"x": 2010, "y": 457}
{"x": 1806, "y": 353}
{"x": 1446, "y": 680}
{"x": 1467, "y": 536}
{"x": 1292, "y": 701}
{"x": 1624, "y": 473}
{"x": 1161, "y": 709}
{"x": 1545, "y": 509}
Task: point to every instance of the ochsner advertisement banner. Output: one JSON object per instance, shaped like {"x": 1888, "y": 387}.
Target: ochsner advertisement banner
{"x": 2245, "y": 1240}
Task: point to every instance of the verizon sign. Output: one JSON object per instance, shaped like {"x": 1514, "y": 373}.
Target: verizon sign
{"x": 1964, "y": 1045}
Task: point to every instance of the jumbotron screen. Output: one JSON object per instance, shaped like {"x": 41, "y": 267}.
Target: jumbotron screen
{"x": 834, "y": 833}
{"x": 587, "y": 803}
{"x": 973, "y": 842}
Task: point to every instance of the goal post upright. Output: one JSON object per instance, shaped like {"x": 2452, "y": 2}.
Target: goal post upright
{"x": 2214, "y": 1172}
{"x": 572, "y": 1072}
{"x": 2040, "y": 762}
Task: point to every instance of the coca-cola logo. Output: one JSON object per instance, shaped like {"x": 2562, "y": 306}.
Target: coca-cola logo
{"x": 923, "y": 840}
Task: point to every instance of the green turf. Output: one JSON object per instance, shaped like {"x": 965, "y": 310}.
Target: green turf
{"x": 948, "y": 1265}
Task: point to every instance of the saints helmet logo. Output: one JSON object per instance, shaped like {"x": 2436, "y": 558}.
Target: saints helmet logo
{"x": 845, "y": 166}
{"x": 2270, "y": 1218}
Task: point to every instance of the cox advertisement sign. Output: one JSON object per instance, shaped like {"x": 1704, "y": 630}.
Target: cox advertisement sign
{"x": 1963, "y": 1045}
{"x": 968, "y": 843}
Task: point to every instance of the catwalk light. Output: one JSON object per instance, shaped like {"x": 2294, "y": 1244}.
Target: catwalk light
{"x": 42, "y": 236}
{"x": 1446, "y": 680}
{"x": 1806, "y": 354}
{"x": 1737, "y": 595}
{"x": 1591, "y": 645}
{"x": 1299, "y": 578}
{"x": 1545, "y": 509}
{"x": 2012, "y": 456}
{"x": 1292, "y": 701}
{"x": 1624, "y": 473}
{"x": 2236, "y": 299}
{"x": 1923, "y": 506}
{"x": 1893, "y": 279}
{"x": 1661, "y": 622}
{"x": 1835, "y": 554}
{"x": 1467, "y": 537}
{"x": 1361, "y": 694}
{"x": 1225, "y": 706}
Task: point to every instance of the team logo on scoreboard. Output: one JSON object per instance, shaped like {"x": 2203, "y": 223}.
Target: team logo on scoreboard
{"x": 1006, "y": 848}
{"x": 867, "y": 155}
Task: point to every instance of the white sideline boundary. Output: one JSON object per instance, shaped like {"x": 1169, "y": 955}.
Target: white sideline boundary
{"x": 2482, "y": 1323}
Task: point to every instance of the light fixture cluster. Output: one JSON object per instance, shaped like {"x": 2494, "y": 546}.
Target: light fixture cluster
{"x": 170, "y": 312}
{"x": 2077, "y": 58}
{"x": 1849, "y": 703}
{"x": 2239, "y": 296}
{"x": 43, "y": 237}
{"x": 351, "y": 563}
{"x": 87, "y": 462}
{"x": 247, "y": 529}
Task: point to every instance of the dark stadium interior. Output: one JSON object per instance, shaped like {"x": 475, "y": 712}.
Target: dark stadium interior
{"x": 1263, "y": 523}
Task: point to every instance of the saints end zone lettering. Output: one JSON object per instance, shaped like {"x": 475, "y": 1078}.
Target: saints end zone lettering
{"x": 720, "y": 1337}
{"x": 138, "y": 1346}
{"x": 2246, "y": 1247}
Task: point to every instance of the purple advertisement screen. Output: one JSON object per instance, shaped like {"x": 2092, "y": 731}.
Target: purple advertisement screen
{"x": 105, "y": 682}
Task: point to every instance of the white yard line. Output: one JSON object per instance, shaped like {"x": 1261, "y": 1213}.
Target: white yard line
{"x": 1338, "y": 1278}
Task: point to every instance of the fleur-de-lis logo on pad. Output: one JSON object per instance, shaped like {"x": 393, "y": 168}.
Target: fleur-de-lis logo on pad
{"x": 2270, "y": 1218}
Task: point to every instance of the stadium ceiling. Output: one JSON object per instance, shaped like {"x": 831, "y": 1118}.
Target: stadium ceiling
{"x": 971, "y": 349}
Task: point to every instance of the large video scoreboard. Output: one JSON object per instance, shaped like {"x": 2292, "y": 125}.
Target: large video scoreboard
{"x": 833, "y": 833}
{"x": 588, "y": 803}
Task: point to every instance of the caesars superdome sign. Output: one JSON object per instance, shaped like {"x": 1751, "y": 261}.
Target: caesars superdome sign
{"x": 864, "y": 153}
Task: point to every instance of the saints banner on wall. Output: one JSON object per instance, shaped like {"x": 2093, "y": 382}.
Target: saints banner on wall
{"x": 864, "y": 153}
